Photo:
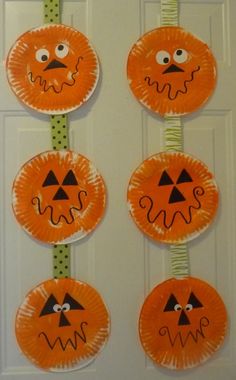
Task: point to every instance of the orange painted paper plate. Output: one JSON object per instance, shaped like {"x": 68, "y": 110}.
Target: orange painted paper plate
{"x": 52, "y": 69}
{"x": 182, "y": 323}
{"x": 58, "y": 197}
{"x": 62, "y": 325}
{"x": 172, "y": 197}
{"x": 171, "y": 71}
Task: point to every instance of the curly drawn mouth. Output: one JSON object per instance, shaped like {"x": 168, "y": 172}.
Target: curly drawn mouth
{"x": 43, "y": 83}
{"x": 165, "y": 331}
{"x": 168, "y": 85}
{"x": 69, "y": 343}
{"x": 147, "y": 202}
{"x": 56, "y": 220}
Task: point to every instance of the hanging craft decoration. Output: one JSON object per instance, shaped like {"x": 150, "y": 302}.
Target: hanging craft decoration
{"x": 182, "y": 323}
{"x": 62, "y": 325}
{"x": 171, "y": 71}
{"x": 172, "y": 197}
{"x": 58, "y": 196}
{"x": 52, "y": 69}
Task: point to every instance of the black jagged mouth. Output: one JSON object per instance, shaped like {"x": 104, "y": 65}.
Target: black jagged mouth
{"x": 71, "y": 211}
{"x": 70, "y": 343}
{"x": 178, "y": 338}
{"x": 168, "y": 85}
{"x": 146, "y": 202}
{"x": 43, "y": 83}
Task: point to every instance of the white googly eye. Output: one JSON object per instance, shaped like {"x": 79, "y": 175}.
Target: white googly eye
{"x": 42, "y": 55}
{"x": 65, "y": 307}
{"x": 61, "y": 50}
{"x": 177, "y": 307}
{"x": 163, "y": 57}
{"x": 180, "y": 55}
{"x": 57, "y": 308}
{"x": 189, "y": 307}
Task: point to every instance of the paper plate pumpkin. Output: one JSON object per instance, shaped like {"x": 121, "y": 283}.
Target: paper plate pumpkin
{"x": 182, "y": 323}
{"x": 62, "y": 325}
{"x": 172, "y": 197}
{"x": 52, "y": 69}
{"x": 171, "y": 71}
{"x": 58, "y": 197}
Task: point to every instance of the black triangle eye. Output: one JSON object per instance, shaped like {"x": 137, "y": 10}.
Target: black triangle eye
{"x": 70, "y": 179}
{"x": 172, "y": 301}
{"x": 194, "y": 301}
{"x": 50, "y": 180}
{"x": 48, "y": 307}
{"x": 184, "y": 177}
{"x": 74, "y": 305}
{"x": 165, "y": 179}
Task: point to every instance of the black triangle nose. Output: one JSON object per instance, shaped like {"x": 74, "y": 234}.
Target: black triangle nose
{"x": 176, "y": 196}
{"x": 173, "y": 69}
{"x": 183, "y": 319}
{"x": 63, "y": 320}
{"x": 60, "y": 195}
{"x": 54, "y": 64}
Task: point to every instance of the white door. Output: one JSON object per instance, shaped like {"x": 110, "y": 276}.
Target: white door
{"x": 116, "y": 133}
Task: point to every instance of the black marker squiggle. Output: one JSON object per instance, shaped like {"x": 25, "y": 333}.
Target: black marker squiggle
{"x": 204, "y": 322}
{"x": 36, "y": 202}
{"x": 69, "y": 342}
{"x": 43, "y": 82}
{"x": 148, "y": 80}
{"x": 197, "y": 191}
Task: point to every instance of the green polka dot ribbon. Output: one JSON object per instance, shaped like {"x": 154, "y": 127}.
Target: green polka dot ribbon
{"x": 59, "y": 132}
{"x": 60, "y": 141}
{"x": 61, "y": 252}
{"x": 51, "y": 11}
{"x": 174, "y": 143}
{"x": 61, "y": 261}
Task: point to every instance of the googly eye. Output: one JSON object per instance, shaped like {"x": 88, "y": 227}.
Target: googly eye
{"x": 163, "y": 57}
{"x": 65, "y": 307}
{"x": 180, "y": 55}
{"x": 42, "y": 55}
{"x": 177, "y": 307}
{"x": 61, "y": 50}
{"x": 57, "y": 308}
{"x": 189, "y": 307}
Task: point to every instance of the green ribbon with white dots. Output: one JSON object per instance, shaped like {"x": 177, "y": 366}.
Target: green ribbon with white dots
{"x": 174, "y": 143}
{"x": 60, "y": 141}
